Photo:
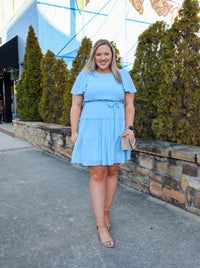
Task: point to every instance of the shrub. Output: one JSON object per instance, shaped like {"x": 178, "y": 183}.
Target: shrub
{"x": 166, "y": 73}
{"x": 29, "y": 90}
{"x": 178, "y": 105}
{"x": 55, "y": 77}
{"x": 77, "y": 65}
{"x": 117, "y": 55}
{"x": 148, "y": 77}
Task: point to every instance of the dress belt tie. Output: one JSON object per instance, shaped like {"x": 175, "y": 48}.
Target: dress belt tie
{"x": 115, "y": 107}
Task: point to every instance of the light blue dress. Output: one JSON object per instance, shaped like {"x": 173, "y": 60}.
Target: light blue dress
{"x": 102, "y": 120}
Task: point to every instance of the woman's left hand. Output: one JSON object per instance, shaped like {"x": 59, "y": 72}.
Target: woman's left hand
{"x": 130, "y": 134}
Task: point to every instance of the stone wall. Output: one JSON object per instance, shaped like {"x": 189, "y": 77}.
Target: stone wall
{"x": 49, "y": 137}
{"x": 168, "y": 171}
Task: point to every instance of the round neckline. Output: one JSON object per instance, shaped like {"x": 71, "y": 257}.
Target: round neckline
{"x": 101, "y": 73}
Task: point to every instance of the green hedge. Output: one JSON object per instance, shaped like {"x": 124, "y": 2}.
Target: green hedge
{"x": 167, "y": 75}
{"x": 29, "y": 90}
{"x": 55, "y": 81}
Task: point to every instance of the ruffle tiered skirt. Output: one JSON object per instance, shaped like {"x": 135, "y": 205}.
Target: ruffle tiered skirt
{"x": 99, "y": 135}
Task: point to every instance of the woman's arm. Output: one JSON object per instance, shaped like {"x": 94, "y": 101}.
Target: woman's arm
{"x": 129, "y": 115}
{"x": 75, "y": 113}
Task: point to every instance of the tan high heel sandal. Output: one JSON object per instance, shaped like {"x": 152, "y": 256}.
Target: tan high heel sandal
{"x": 104, "y": 240}
{"x": 108, "y": 225}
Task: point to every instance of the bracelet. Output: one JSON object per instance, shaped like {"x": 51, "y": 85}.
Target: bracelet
{"x": 130, "y": 127}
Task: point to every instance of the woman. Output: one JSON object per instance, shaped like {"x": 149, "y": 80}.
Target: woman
{"x": 108, "y": 113}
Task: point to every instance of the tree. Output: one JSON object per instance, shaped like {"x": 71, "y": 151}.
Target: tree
{"x": 55, "y": 78}
{"x": 77, "y": 65}
{"x": 178, "y": 105}
{"x": 81, "y": 59}
{"x": 117, "y": 55}
{"x": 148, "y": 77}
{"x": 29, "y": 90}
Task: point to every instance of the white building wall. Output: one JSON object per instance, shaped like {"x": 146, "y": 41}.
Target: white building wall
{"x": 61, "y": 24}
{"x": 18, "y": 24}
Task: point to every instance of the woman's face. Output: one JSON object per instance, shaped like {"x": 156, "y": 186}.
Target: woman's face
{"x": 103, "y": 59}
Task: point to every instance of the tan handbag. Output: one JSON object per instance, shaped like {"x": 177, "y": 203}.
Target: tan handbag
{"x": 126, "y": 144}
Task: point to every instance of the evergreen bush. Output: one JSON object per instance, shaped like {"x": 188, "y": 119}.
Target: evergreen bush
{"x": 166, "y": 73}
{"x": 148, "y": 77}
{"x": 29, "y": 90}
{"x": 55, "y": 78}
{"x": 117, "y": 54}
{"x": 77, "y": 65}
{"x": 178, "y": 104}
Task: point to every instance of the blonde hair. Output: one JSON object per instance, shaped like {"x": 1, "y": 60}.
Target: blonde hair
{"x": 91, "y": 65}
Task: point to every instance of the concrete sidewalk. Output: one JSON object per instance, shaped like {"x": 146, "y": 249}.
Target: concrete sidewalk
{"x": 7, "y": 128}
{"x": 46, "y": 219}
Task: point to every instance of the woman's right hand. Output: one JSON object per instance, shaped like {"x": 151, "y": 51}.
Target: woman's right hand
{"x": 75, "y": 112}
{"x": 74, "y": 137}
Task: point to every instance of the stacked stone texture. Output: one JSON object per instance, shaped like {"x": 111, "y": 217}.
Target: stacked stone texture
{"x": 168, "y": 171}
{"x": 49, "y": 137}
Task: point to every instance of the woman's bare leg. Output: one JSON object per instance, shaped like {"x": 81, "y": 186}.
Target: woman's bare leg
{"x": 97, "y": 188}
{"x": 111, "y": 186}
{"x": 98, "y": 176}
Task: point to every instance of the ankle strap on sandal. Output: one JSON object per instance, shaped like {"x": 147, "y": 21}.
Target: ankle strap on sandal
{"x": 99, "y": 220}
{"x": 108, "y": 209}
